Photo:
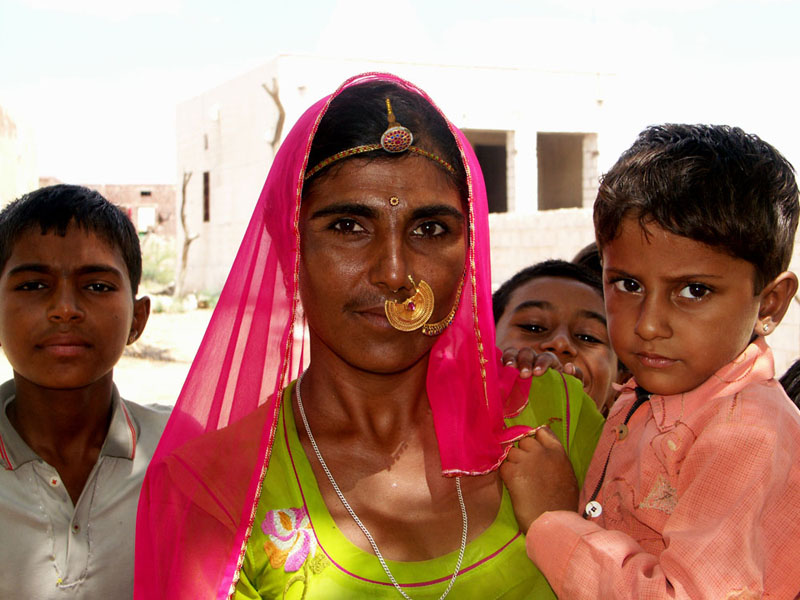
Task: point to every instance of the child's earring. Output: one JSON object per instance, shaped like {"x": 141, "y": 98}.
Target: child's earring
{"x": 132, "y": 337}
{"x": 765, "y": 327}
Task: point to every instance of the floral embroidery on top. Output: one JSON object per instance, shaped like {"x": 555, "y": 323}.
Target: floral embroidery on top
{"x": 744, "y": 594}
{"x": 292, "y": 545}
{"x": 663, "y": 496}
{"x": 290, "y": 539}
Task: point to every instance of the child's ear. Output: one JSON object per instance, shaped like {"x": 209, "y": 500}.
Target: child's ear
{"x": 775, "y": 299}
{"x": 141, "y": 311}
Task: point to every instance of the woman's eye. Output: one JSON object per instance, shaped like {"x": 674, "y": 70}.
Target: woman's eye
{"x": 694, "y": 291}
{"x": 30, "y": 286}
{"x": 430, "y": 229}
{"x": 630, "y": 286}
{"x": 347, "y": 226}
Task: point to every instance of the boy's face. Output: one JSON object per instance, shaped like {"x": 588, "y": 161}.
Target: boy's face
{"x": 678, "y": 310}
{"x": 66, "y": 308}
{"x": 565, "y": 317}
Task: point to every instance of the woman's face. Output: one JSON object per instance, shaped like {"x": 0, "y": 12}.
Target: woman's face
{"x": 364, "y": 228}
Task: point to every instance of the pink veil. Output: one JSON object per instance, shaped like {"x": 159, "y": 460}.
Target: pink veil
{"x": 199, "y": 497}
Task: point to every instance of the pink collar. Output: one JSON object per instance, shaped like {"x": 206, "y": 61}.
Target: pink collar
{"x": 756, "y": 363}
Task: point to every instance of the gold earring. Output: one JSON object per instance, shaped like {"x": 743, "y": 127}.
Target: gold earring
{"x": 413, "y": 312}
{"x": 132, "y": 336}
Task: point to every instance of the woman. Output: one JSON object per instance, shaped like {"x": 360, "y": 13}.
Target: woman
{"x": 374, "y": 475}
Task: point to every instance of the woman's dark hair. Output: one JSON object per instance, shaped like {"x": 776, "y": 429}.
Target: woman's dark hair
{"x": 357, "y": 116}
{"x": 55, "y": 207}
{"x": 710, "y": 183}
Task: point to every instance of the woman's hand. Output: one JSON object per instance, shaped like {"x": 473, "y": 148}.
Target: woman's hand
{"x": 539, "y": 477}
{"x": 530, "y": 363}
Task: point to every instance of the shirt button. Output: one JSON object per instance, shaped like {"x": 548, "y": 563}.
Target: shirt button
{"x": 76, "y": 528}
{"x": 672, "y": 445}
{"x": 593, "y": 509}
{"x": 54, "y": 481}
{"x": 621, "y": 431}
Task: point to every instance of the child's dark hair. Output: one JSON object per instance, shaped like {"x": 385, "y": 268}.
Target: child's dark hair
{"x": 791, "y": 382}
{"x": 711, "y": 183}
{"x": 589, "y": 257}
{"x": 358, "y": 116}
{"x": 547, "y": 268}
{"x": 55, "y": 207}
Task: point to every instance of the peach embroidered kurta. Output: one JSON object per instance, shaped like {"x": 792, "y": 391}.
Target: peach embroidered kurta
{"x": 701, "y": 496}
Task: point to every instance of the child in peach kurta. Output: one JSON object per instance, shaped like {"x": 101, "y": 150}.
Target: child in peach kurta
{"x": 694, "y": 487}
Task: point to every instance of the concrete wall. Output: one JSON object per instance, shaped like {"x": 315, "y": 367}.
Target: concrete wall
{"x": 236, "y": 120}
{"x": 590, "y": 174}
{"x": 521, "y": 240}
{"x": 226, "y": 133}
{"x": 18, "y": 170}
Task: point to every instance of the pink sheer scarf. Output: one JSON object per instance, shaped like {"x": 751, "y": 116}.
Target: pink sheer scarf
{"x": 200, "y": 494}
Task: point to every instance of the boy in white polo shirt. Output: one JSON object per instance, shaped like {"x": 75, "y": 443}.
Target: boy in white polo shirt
{"x": 72, "y": 453}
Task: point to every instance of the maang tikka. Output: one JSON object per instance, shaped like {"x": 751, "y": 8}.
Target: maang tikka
{"x": 396, "y": 139}
{"x": 414, "y": 312}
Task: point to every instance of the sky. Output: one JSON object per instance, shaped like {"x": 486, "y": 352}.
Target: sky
{"x": 98, "y": 81}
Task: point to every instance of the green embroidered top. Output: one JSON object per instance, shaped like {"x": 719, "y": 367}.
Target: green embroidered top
{"x": 296, "y": 551}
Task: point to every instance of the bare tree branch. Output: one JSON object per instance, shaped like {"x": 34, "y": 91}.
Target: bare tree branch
{"x": 187, "y": 237}
{"x": 274, "y": 93}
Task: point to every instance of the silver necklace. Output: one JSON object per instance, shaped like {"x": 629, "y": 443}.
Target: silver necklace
{"x": 361, "y": 526}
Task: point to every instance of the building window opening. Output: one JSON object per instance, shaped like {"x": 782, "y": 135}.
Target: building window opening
{"x": 493, "y": 165}
{"x": 560, "y": 170}
{"x": 490, "y": 148}
{"x": 206, "y": 198}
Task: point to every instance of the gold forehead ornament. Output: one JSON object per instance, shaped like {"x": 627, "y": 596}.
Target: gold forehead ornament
{"x": 395, "y": 140}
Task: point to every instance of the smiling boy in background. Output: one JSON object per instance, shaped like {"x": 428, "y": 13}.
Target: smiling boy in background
{"x": 556, "y": 306}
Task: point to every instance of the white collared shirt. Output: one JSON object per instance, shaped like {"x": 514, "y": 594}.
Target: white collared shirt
{"x": 52, "y": 549}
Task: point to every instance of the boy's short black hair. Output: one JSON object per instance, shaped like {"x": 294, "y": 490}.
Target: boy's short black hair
{"x": 547, "y": 268}
{"x": 714, "y": 184}
{"x": 589, "y": 257}
{"x": 55, "y": 207}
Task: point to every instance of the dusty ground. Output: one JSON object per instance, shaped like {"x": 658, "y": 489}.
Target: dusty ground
{"x": 153, "y": 369}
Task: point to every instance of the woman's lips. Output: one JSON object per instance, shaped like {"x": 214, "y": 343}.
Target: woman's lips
{"x": 376, "y": 315}
{"x": 654, "y": 361}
